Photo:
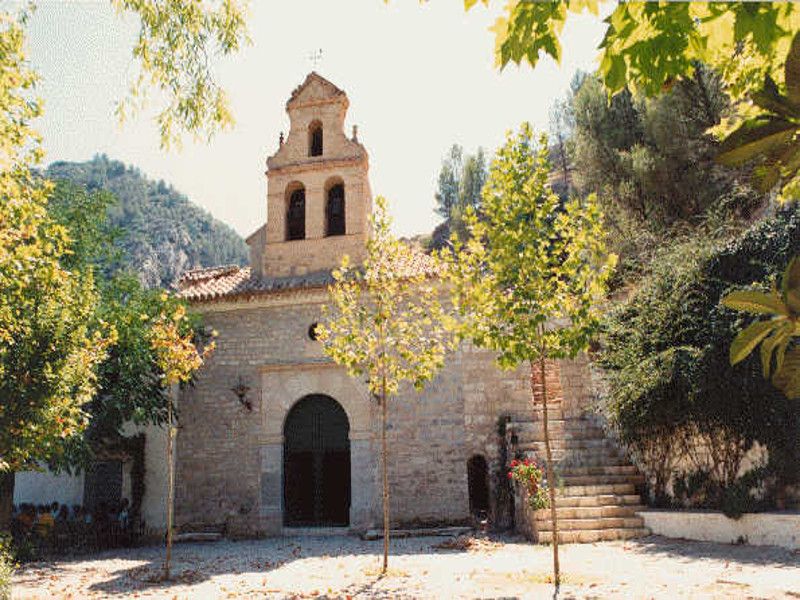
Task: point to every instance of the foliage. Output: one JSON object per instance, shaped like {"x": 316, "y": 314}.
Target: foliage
{"x": 529, "y": 475}
{"x": 527, "y": 279}
{"x": 164, "y": 233}
{"x": 129, "y": 384}
{"x": 769, "y": 139}
{"x": 6, "y": 566}
{"x": 653, "y": 157}
{"x": 178, "y": 358}
{"x": 775, "y": 335}
{"x": 649, "y": 46}
{"x": 672, "y": 392}
{"x": 653, "y": 165}
{"x": 174, "y": 343}
{"x": 385, "y": 322}
{"x": 174, "y": 48}
{"x": 562, "y": 127}
{"x": 461, "y": 180}
{"x": 50, "y": 345}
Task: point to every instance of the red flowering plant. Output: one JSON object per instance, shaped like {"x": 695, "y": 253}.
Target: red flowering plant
{"x": 529, "y": 475}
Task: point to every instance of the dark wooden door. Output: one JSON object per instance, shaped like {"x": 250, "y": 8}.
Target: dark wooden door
{"x": 316, "y": 464}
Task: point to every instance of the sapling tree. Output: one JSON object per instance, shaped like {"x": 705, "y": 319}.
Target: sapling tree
{"x": 527, "y": 281}
{"x": 385, "y": 321}
{"x": 178, "y": 357}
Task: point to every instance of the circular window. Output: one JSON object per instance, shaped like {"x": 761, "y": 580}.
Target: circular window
{"x": 312, "y": 332}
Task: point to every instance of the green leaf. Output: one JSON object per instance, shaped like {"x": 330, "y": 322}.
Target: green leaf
{"x": 755, "y": 138}
{"x": 770, "y": 99}
{"x": 748, "y": 339}
{"x": 754, "y": 302}
{"x": 787, "y": 378}
{"x": 791, "y": 285}
{"x": 767, "y": 348}
{"x": 792, "y": 71}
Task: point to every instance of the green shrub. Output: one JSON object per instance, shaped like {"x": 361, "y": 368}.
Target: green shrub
{"x": 671, "y": 386}
{"x": 6, "y": 567}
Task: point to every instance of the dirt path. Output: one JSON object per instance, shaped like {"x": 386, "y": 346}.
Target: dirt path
{"x": 343, "y": 567}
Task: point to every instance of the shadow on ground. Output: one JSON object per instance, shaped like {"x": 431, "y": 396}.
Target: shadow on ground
{"x": 194, "y": 563}
{"x": 738, "y": 553}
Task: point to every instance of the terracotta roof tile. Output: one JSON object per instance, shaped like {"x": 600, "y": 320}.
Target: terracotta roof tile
{"x": 231, "y": 281}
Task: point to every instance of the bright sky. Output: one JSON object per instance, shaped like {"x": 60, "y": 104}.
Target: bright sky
{"x": 420, "y": 77}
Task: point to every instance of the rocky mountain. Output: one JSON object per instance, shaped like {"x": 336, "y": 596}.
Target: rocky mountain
{"x": 162, "y": 233}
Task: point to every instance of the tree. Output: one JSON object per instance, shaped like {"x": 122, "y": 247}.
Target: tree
{"x": 129, "y": 385}
{"x": 671, "y": 391}
{"x": 448, "y": 196}
{"x": 562, "y": 124}
{"x": 527, "y": 280}
{"x": 385, "y": 322}
{"x": 50, "y": 345}
{"x": 461, "y": 180}
{"x": 175, "y": 42}
{"x": 178, "y": 357}
{"x": 649, "y": 46}
{"x": 48, "y": 352}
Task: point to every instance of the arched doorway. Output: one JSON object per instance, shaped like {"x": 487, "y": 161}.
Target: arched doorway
{"x": 316, "y": 464}
{"x": 478, "y": 483}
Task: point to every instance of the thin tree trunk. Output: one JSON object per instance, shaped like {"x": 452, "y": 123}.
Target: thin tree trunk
{"x": 384, "y": 457}
{"x": 170, "y": 491}
{"x": 7, "y": 479}
{"x": 551, "y": 479}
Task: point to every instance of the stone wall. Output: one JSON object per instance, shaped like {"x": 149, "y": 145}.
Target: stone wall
{"x": 230, "y": 462}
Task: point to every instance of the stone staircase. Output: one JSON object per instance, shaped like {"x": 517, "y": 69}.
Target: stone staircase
{"x": 598, "y": 493}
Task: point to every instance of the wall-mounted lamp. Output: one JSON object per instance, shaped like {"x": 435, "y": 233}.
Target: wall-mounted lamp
{"x": 240, "y": 389}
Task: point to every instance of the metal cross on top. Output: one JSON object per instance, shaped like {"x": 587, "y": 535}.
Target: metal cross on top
{"x": 315, "y": 57}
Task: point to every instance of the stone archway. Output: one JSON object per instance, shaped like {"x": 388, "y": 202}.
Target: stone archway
{"x": 316, "y": 464}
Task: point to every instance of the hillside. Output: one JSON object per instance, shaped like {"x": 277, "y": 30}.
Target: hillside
{"x": 163, "y": 233}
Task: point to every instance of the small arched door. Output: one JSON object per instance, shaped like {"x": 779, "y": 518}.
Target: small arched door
{"x": 316, "y": 464}
{"x": 478, "y": 484}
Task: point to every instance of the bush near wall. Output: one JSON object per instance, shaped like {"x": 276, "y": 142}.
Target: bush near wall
{"x": 6, "y": 566}
{"x": 688, "y": 416}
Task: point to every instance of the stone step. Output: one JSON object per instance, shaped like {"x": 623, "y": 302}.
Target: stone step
{"x": 588, "y": 460}
{"x": 528, "y": 437}
{"x": 568, "y": 444}
{"x": 588, "y": 536}
{"x": 591, "y": 512}
{"x": 623, "y": 469}
{"x": 566, "y": 462}
{"x": 556, "y": 427}
{"x": 596, "y": 490}
{"x": 591, "y": 524}
{"x": 569, "y": 479}
{"x": 632, "y": 500}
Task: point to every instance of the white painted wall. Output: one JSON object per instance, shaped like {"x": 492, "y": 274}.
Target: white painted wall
{"x": 758, "y": 529}
{"x": 45, "y": 487}
{"x": 154, "y": 512}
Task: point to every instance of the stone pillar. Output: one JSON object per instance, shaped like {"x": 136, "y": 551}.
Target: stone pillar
{"x": 272, "y": 485}
{"x": 363, "y": 466}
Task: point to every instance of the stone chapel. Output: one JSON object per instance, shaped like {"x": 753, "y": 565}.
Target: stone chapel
{"x": 274, "y": 436}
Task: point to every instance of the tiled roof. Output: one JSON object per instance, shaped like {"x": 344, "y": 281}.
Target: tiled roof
{"x": 231, "y": 281}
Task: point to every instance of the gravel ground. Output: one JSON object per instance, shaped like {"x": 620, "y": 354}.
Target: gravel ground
{"x": 346, "y": 567}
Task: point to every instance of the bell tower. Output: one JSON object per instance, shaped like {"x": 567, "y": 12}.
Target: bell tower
{"x": 318, "y": 194}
